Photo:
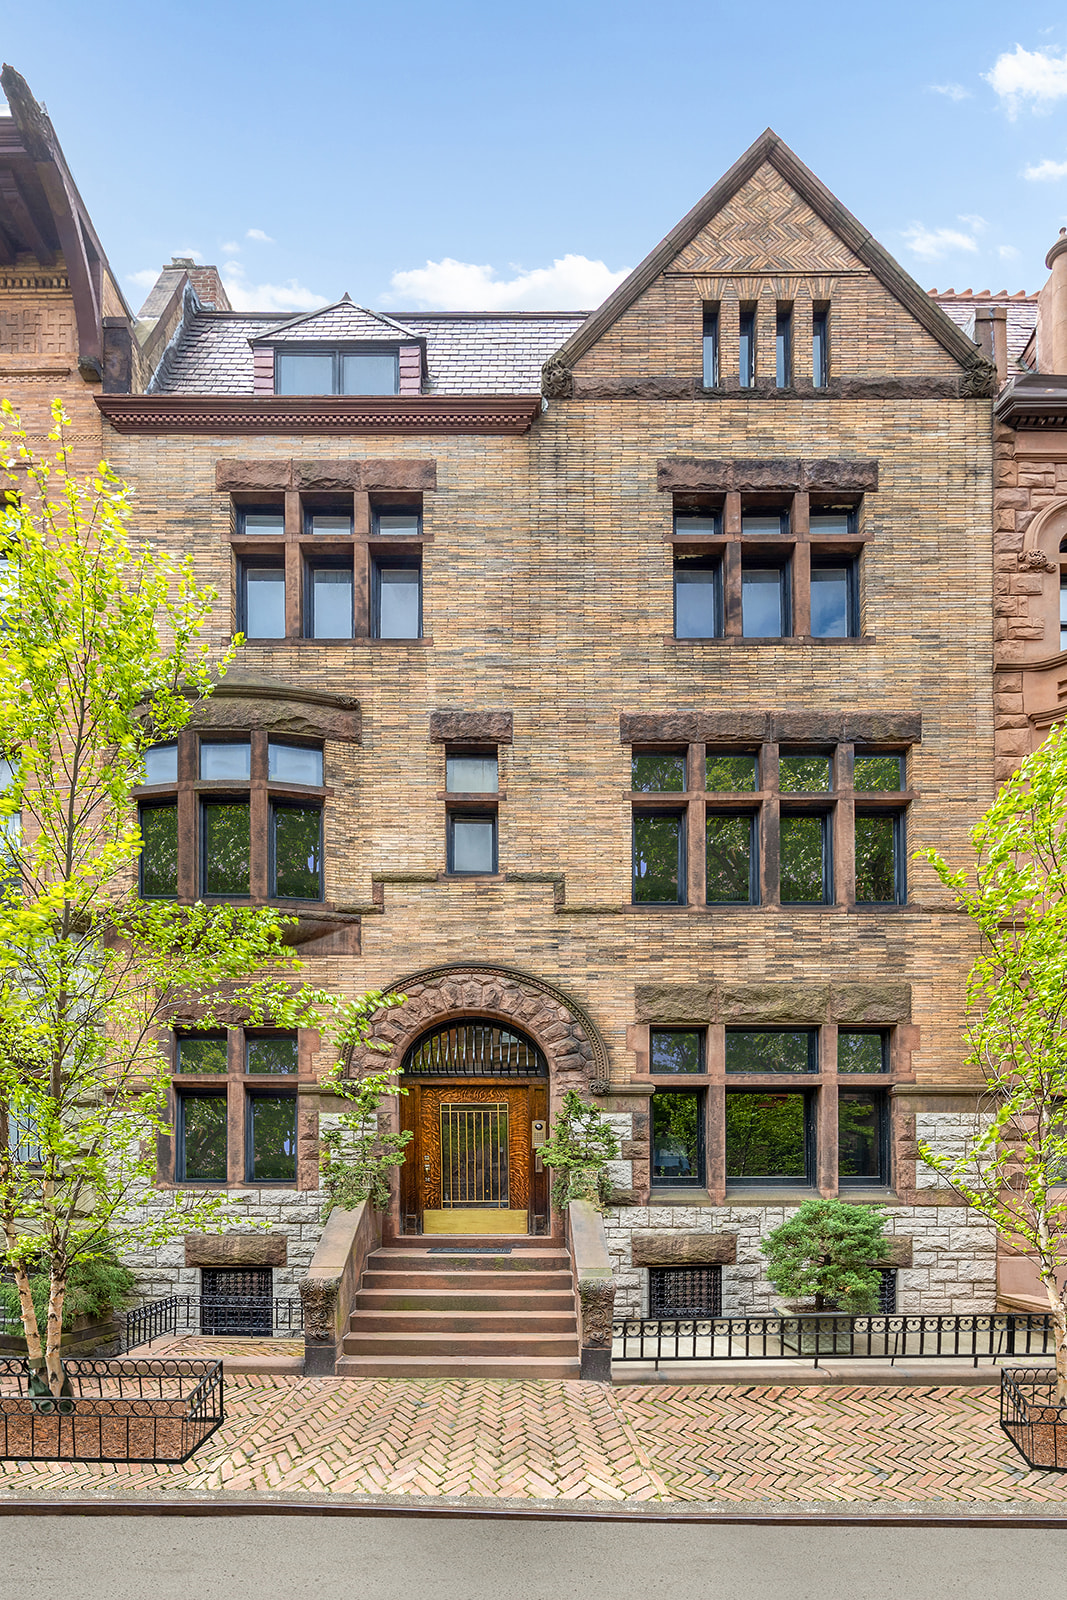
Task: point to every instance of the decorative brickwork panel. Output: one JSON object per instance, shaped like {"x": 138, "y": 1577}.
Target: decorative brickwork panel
{"x": 766, "y": 227}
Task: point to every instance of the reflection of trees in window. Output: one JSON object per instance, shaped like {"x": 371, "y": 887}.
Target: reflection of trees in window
{"x": 227, "y": 847}
{"x": 803, "y": 861}
{"x": 771, "y": 1051}
{"x": 204, "y": 1139}
{"x": 730, "y": 859}
{"x": 297, "y": 847}
{"x": 677, "y": 1050}
{"x": 727, "y": 774}
{"x": 676, "y": 1138}
{"x": 876, "y": 859}
{"x": 657, "y": 868}
{"x": 654, "y": 772}
{"x": 862, "y": 1051}
{"x": 272, "y": 1152}
{"x": 766, "y": 1135}
{"x": 804, "y": 774}
{"x": 878, "y": 773}
{"x": 204, "y": 1052}
{"x": 271, "y": 1053}
{"x": 159, "y": 855}
{"x": 859, "y": 1134}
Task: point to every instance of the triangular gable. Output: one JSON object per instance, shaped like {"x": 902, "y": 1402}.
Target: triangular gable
{"x": 805, "y": 227}
{"x": 342, "y": 321}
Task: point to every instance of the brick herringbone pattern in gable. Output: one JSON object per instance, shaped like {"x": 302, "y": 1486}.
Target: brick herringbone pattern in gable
{"x": 766, "y": 227}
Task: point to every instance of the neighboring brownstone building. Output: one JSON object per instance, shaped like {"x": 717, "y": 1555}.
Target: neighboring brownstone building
{"x": 605, "y": 673}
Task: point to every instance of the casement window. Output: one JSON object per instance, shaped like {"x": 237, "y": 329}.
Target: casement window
{"x": 337, "y": 371}
{"x": 803, "y": 828}
{"x": 235, "y": 1107}
{"x": 235, "y": 818}
{"x": 330, "y": 567}
{"x": 747, "y": 346}
{"x": 711, "y": 346}
{"x": 765, "y": 566}
{"x": 820, "y": 347}
{"x": 779, "y": 1107}
{"x": 783, "y": 348}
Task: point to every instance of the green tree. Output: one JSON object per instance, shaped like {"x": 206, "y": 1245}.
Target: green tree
{"x": 1013, "y": 1171}
{"x": 101, "y": 655}
{"x": 358, "y": 1156}
{"x": 828, "y": 1249}
{"x": 578, "y": 1149}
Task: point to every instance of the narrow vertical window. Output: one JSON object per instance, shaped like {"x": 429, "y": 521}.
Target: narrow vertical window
{"x": 261, "y": 598}
{"x": 764, "y": 608}
{"x": 732, "y": 871}
{"x": 879, "y": 859}
{"x": 677, "y": 1139}
{"x": 201, "y": 1144}
{"x": 225, "y": 848}
{"x": 159, "y": 851}
{"x": 833, "y": 601}
{"x": 783, "y": 348}
{"x": 658, "y": 859}
{"x": 711, "y": 347}
{"x": 296, "y": 852}
{"x": 1063, "y": 611}
{"x": 806, "y": 878}
{"x": 270, "y": 1139}
{"x": 330, "y": 593}
{"x": 398, "y": 599}
{"x": 747, "y": 347}
{"x": 862, "y": 1137}
{"x": 820, "y": 365}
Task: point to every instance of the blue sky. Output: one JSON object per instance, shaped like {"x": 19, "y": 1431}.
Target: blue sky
{"x": 470, "y": 155}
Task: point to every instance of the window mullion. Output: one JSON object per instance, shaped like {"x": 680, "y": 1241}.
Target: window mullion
{"x": 695, "y": 853}
{"x": 259, "y": 826}
{"x": 826, "y": 1158}
{"x": 769, "y": 817}
{"x": 294, "y": 575}
{"x": 715, "y": 1112}
{"x": 844, "y": 826}
{"x": 235, "y": 1108}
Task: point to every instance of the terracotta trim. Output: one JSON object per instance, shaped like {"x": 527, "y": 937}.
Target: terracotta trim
{"x": 248, "y": 414}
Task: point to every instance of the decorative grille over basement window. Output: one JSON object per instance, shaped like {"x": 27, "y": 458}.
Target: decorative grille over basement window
{"x": 475, "y": 1050}
{"x": 685, "y": 1291}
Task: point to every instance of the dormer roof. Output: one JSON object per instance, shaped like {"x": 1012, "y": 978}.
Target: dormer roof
{"x": 340, "y": 323}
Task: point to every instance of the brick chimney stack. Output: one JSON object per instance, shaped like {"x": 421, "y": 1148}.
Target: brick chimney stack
{"x": 1052, "y": 311}
{"x": 206, "y": 282}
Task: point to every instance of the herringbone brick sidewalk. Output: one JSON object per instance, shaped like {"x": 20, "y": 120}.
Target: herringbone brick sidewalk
{"x": 575, "y": 1441}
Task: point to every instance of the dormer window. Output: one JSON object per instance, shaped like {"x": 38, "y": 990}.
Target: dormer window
{"x": 365, "y": 372}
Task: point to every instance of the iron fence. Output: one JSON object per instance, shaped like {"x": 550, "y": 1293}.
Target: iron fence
{"x": 1032, "y": 1418}
{"x": 237, "y": 1315}
{"x": 984, "y": 1335}
{"x": 110, "y": 1411}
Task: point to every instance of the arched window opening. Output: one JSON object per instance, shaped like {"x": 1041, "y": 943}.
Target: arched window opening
{"x": 474, "y": 1049}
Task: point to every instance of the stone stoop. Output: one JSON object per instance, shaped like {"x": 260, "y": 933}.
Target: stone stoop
{"x": 433, "y": 1307}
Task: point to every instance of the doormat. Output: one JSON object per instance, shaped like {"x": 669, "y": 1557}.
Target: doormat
{"x": 469, "y": 1250}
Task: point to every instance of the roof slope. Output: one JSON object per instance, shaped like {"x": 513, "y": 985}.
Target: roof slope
{"x": 1021, "y": 317}
{"x": 341, "y": 321}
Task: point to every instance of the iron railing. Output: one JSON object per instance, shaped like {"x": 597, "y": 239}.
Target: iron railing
{"x": 984, "y": 1335}
{"x": 111, "y": 1411}
{"x": 236, "y": 1315}
{"x": 1032, "y": 1418}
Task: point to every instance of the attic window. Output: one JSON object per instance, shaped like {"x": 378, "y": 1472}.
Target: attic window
{"x": 336, "y": 372}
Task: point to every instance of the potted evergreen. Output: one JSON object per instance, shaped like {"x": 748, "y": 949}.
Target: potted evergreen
{"x": 824, "y": 1262}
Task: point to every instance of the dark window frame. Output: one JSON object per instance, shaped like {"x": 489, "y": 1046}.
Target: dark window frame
{"x": 161, "y": 804}
{"x": 820, "y": 347}
{"x": 752, "y": 817}
{"x": 484, "y": 813}
{"x": 263, "y": 508}
{"x": 338, "y": 353}
{"x": 660, "y": 812}
{"x": 784, "y": 567}
{"x": 327, "y": 562}
{"x": 182, "y": 1096}
{"x": 692, "y": 562}
{"x": 400, "y": 561}
{"x": 221, "y": 798}
{"x": 746, "y": 346}
{"x": 782, "y": 1086}
{"x": 825, "y": 819}
{"x": 699, "y": 1180}
{"x": 880, "y": 1095}
{"x": 252, "y": 1095}
{"x": 276, "y": 804}
{"x": 900, "y": 853}
{"x": 245, "y": 562}
{"x": 235, "y": 1087}
{"x": 701, "y": 1037}
{"x": 852, "y": 593}
{"x": 783, "y": 347}
{"x": 811, "y": 1070}
{"x": 710, "y": 345}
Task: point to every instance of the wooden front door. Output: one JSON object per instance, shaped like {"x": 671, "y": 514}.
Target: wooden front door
{"x": 471, "y": 1167}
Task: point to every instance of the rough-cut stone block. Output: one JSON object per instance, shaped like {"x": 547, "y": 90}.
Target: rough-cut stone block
{"x": 451, "y": 726}
{"x": 680, "y": 473}
{"x": 883, "y": 727}
{"x": 235, "y": 1249}
{"x": 872, "y": 1001}
{"x": 775, "y": 1002}
{"x": 251, "y": 477}
{"x": 399, "y": 475}
{"x": 244, "y": 703}
{"x": 674, "y": 1002}
{"x": 679, "y": 1248}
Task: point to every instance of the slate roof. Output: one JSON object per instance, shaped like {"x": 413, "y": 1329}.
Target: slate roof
{"x": 1021, "y": 319}
{"x": 342, "y": 320}
{"x": 467, "y": 353}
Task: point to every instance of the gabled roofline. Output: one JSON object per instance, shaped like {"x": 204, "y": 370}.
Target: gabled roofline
{"x": 773, "y": 150}
{"x": 335, "y": 305}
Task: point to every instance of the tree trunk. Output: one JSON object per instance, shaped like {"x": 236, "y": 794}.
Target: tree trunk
{"x": 57, "y": 1290}
{"x": 1059, "y": 1322}
{"x": 30, "y": 1325}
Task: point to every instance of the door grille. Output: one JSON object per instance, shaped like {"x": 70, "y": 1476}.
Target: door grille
{"x": 474, "y": 1155}
{"x": 685, "y": 1291}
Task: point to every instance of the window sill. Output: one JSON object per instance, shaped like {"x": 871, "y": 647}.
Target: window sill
{"x": 679, "y": 1197}
{"x": 791, "y": 639}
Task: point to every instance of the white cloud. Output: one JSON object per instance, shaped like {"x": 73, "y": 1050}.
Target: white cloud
{"x": 230, "y": 249}
{"x": 951, "y": 91}
{"x": 1034, "y": 75}
{"x": 196, "y": 255}
{"x": 976, "y": 224}
{"x": 143, "y": 279}
{"x": 245, "y": 296}
{"x": 933, "y": 243}
{"x": 1007, "y": 252}
{"x": 259, "y": 235}
{"x": 1046, "y": 171}
{"x": 570, "y": 283}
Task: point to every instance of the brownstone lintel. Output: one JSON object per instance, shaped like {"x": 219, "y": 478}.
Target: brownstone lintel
{"x": 689, "y": 726}
{"x": 680, "y": 1247}
{"x": 235, "y": 1249}
{"x": 450, "y": 725}
{"x": 679, "y": 473}
{"x": 267, "y": 703}
{"x": 257, "y": 475}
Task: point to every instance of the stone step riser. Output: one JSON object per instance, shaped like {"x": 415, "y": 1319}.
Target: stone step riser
{"x": 518, "y": 1367}
{"x": 464, "y": 1322}
{"x": 421, "y": 1261}
{"x": 514, "y": 1241}
{"x": 470, "y": 1347}
{"x": 456, "y": 1300}
{"x": 498, "y": 1282}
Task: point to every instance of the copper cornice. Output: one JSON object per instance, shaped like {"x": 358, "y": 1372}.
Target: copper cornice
{"x": 341, "y": 414}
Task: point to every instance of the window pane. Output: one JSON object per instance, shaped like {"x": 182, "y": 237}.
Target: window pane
{"x": 771, "y": 1051}
{"x": 656, "y": 773}
{"x": 804, "y": 774}
{"x": 277, "y": 1054}
{"x": 471, "y": 774}
{"x": 160, "y": 764}
{"x": 876, "y": 859}
{"x": 829, "y": 602}
{"x": 803, "y": 859}
{"x": 676, "y": 1138}
{"x": 226, "y": 848}
{"x": 292, "y": 763}
{"x": 369, "y": 374}
{"x": 306, "y": 374}
{"x": 1063, "y": 613}
{"x": 818, "y": 350}
{"x": 657, "y": 842}
{"x": 773, "y": 523}
{"x": 747, "y": 351}
{"x": 225, "y": 760}
{"x": 331, "y": 602}
{"x": 859, "y": 1134}
{"x": 696, "y": 603}
{"x": 731, "y": 774}
{"x": 202, "y": 1053}
{"x": 399, "y": 524}
{"x": 784, "y": 350}
{"x": 159, "y": 852}
{"x": 861, "y": 1052}
{"x": 398, "y": 603}
{"x": 297, "y": 852}
{"x": 273, "y": 1140}
{"x": 675, "y": 1051}
{"x": 838, "y": 523}
{"x": 260, "y": 524}
{"x": 884, "y": 773}
{"x": 729, "y": 860}
{"x": 333, "y": 524}
{"x": 761, "y": 603}
{"x": 264, "y": 602}
{"x": 711, "y": 349}
{"x": 473, "y": 841}
{"x": 766, "y": 1136}
{"x": 707, "y": 523}
{"x": 204, "y": 1128}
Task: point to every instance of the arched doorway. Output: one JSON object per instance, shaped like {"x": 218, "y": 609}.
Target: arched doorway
{"x": 477, "y": 1105}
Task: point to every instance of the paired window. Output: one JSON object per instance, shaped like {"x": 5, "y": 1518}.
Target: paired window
{"x": 722, "y": 827}
{"x": 765, "y": 567}
{"x": 342, "y": 371}
{"x": 765, "y": 1098}
{"x": 235, "y": 818}
{"x": 472, "y": 786}
{"x": 235, "y": 1099}
{"x": 334, "y": 567}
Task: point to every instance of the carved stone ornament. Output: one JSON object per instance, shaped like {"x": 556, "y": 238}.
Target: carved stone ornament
{"x": 557, "y": 381}
{"x": 597, "y": 1296}
{"x": 1035, "y": 561}
{"x": 319, "y": 1297}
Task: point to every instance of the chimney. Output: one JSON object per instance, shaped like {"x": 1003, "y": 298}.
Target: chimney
{"x": 1052, "y": 311}
{"x": 206, "y": 282}
{"x": 991, "y": 333}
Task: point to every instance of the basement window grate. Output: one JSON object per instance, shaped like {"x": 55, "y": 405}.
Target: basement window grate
{"x": 887, "y": 1292}
{"x": 685, "y": 1291}
{"x": 237, "y": 1300}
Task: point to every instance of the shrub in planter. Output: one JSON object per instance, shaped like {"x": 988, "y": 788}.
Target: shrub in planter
{"x": 827, "y": 1252}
